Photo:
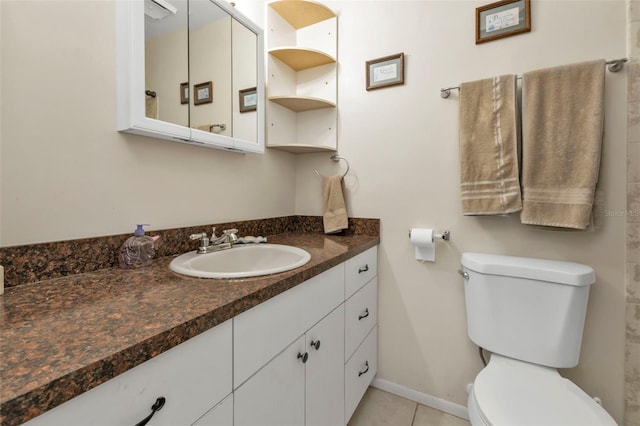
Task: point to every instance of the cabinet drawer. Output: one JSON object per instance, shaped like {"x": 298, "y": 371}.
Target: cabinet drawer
{"x": 261, "y": 332}
{"x": 359, "y": 270}
{"x": 359, "y": 372}
{"x": 361, "y": 315}
{"x": 193, "y": 377}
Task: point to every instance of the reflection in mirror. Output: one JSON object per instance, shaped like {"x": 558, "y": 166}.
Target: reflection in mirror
{"x": 210, "y": 67}
{"x": 245, "y": 53}
{"x": 166, "y": 60}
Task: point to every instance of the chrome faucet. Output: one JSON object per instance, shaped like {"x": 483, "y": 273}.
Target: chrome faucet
{"x": 223, "y": 242}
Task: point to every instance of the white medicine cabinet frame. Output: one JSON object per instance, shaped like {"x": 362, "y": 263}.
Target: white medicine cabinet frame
{"x": 131, "y": 99}
{"x": 302, "y": 78}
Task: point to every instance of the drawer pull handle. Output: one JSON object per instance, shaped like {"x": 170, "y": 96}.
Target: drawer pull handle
{"x": 366, "y": 368}
{"x": 303, "y": 357}
{"x": 315, "y": 344}
{"x": 157, "y": 406}
{"x": 364, "y": 268}
{"x": 366, "y": 314}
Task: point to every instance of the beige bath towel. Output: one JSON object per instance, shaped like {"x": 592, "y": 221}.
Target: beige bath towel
{"x": 151, "y": 107}
{"x": 562, "y": 122}
{"x": 334, "y": 212}
{"x": 489, "y": 182}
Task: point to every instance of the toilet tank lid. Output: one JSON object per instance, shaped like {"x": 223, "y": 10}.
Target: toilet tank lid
{"x": 555, "y": 271}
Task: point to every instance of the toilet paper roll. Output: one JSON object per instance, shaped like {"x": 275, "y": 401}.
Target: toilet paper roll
{"x": 422, "y": 239}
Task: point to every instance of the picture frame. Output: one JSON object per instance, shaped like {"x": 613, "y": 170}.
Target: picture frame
{"x": 184, "y": 93}
{"x": 386, "y": 71}
{"x": 203, "y": 93}
{"x": 502, "y": 19}
{"x": 248, "y": 99}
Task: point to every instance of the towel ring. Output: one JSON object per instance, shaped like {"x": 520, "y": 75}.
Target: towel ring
{"x": 335, "y": 159}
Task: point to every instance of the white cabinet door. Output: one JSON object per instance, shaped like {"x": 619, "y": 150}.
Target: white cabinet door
{"x": 274, "y": 396}
{"x": 220, "y": 415}
{"x": 325, "y": 371}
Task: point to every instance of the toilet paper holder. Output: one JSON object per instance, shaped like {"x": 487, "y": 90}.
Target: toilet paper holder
{"x": 446, "y": 235}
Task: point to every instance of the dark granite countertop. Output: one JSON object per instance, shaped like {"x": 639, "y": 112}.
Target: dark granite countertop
{"x": 64, "y": 336}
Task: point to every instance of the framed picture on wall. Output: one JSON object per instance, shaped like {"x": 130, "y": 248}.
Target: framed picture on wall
{"x": 502, "y": 19}
{"x": 184, "y": 93}
{"x": 203, "y": 93}
{"x": 248, "y": 99}
{"x": 385, "y": 72}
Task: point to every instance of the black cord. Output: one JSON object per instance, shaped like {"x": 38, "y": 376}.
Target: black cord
{"x": 481, "y": 350}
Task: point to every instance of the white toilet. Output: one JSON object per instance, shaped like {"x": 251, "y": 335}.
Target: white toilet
{"x": 529, "y": 313}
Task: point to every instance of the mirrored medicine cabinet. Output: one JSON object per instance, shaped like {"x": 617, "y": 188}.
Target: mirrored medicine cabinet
{"x": 191, "y": 71}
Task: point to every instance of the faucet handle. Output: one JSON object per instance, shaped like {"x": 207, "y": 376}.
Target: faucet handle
{"x": 231, "y": 235}
{"x": 198, "y": 236}
{"x": 213, "y": 232}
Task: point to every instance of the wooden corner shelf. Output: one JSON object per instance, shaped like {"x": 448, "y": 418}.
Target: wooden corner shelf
{"x": 299, "y": 58}
{"x": 301, "y": 13}
{"x": 302, "y": 149}
{"x": 302, "y": 103}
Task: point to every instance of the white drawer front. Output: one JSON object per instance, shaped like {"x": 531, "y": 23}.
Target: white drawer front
{"x": 359, "y": 270}
{"x": 359, "y": 372}
{"x": 361, "y": 315}
{"x": 261, "y": 332}
{"x": 193, "y": 377}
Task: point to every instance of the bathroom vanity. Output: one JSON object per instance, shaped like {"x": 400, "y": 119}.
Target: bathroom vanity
{"x": 299, "y": 347}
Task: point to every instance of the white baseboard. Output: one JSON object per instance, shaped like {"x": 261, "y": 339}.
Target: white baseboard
{"x": 421, "y": 398}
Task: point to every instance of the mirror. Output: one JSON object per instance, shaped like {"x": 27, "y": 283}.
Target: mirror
{"x": 210, "y": 68}
{"x": 201, "y": 71}
{"x": 245, "y": 78}
{"x": 166, "y": 62}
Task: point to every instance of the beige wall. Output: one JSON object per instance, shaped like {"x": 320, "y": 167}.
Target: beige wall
{"x": 401, "y": 143}
{"x": 65, "y": 171}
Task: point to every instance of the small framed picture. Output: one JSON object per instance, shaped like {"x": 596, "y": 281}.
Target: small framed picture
{"x": 203, "y": 93}
{"x": 502, "y": 19}
{"x": 248, "y": 99}
{"x": 385, "y": 72}
{"x": 184, "y": 93}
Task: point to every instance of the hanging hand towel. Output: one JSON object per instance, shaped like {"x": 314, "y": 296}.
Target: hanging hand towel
{"x": 334, "y": 215}
{"x": 562, "y": 123}
{"x": 489, "y": 182}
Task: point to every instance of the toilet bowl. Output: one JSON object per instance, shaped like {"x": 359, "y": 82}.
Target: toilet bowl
{"x": 512, "y": 392}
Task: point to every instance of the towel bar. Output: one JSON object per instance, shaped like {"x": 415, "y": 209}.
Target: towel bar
{"x": 613, "y": 65}
{"x": 335, "y": 159}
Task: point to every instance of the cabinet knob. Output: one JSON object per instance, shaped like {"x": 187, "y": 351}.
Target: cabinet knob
{"x": 366, "y": 368}
{"x": 157, "y": 406}
{"x": 364, "y": 268}
{"x": 364, "y": 315}
{"x": 303, "y": 357}
{"x": 315, "y": 344}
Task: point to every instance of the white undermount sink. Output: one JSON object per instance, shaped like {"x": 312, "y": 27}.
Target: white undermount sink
{"x": 241, "y": 261}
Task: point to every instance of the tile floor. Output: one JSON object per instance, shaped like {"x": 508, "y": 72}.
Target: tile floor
{"x": 379, "y": 408}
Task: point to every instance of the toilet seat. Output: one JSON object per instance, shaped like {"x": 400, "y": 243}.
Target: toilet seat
{"x": 512, "y": 392}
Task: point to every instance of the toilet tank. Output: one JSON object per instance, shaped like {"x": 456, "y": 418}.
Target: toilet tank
{"x": 528, "y": 309}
